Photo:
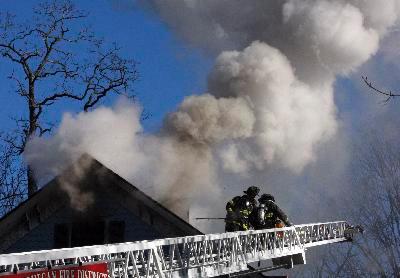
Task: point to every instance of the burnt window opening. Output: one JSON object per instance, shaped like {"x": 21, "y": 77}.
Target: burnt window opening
{"x": 61, "y": 236}
{"x": 88, "y": 233}
{"x": 116, "y": 231}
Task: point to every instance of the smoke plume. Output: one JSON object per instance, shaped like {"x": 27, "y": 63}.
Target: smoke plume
{"x": 163, "y": 166}
{"x": 269, "y": 102}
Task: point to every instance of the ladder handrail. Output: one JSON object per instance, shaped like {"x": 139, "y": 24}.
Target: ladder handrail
{"x": 211, "y": 253}
{"x": 95, "y": 250}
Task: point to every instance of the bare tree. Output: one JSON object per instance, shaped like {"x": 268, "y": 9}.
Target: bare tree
{"x": 12, "y": 175}
{"x": 378, "y": 207}
{"x": 373, "y": 201}
{"x": 53, "y": 61}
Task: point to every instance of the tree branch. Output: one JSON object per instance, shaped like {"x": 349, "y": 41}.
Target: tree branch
{"x": 388, "y": 94}
{"x": 56, "y": 59}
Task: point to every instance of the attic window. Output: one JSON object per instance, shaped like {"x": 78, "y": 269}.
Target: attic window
{"x": 61, "y": 236}
{"x": 116, "y": 231}
{"x": 88, "y": 233}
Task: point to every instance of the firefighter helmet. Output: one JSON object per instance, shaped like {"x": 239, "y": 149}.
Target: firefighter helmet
{"x": 252, "y": 191}
{"x": 266, "y": 197}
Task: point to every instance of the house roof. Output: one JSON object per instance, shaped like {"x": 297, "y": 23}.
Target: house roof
{"x": 88, "y": 174}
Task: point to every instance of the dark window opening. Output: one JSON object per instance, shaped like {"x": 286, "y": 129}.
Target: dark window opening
{"x": 116, "y": 231}
{"x": 61, "y": 236}
{"x": 87, "y": 233}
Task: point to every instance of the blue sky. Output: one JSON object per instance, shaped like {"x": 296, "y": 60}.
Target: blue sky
{"x": 168, "y": 69}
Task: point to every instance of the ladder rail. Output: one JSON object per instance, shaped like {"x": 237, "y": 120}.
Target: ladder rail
{"x": 191, "y": 256}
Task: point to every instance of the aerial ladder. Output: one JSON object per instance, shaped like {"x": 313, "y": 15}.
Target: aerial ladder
{"x": 210, "y": 255}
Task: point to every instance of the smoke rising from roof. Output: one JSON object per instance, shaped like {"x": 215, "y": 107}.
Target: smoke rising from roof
{"x": 269, "y": 103}
{"x": 207, "y": 120}
{"x": 167, "y": 169}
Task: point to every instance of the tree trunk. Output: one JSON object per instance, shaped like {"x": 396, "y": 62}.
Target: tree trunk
{"x": 32, "y": 185}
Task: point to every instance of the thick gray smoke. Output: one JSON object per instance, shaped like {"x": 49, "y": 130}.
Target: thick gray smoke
{"x": 270, "y": 99}
{"x": 293, "y": 50}
{"x": 332, "y": 36}
{"x": 170, "y": 170}
{"x": 262, "y": 101}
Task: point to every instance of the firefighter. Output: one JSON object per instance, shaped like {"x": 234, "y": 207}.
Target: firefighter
{"x": 268, "y": 215}
{"x": 250, "y": 195}
{"x": 231, "y": 214}
{"x": 238, "y": 210}
{"x": 237, "y": 218}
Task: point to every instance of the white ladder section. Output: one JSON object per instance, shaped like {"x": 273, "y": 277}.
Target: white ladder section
{"x": 192, "y": 256}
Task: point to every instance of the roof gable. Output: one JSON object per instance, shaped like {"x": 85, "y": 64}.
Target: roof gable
{"x": 84, "y": 178}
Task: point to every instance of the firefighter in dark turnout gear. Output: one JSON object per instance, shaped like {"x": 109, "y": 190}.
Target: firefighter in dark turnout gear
{"x": 250, "y": 195}
{"x": 268, "y": 215}
{"x": 238, "y": 210}
{"x": 230, "y": 220}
